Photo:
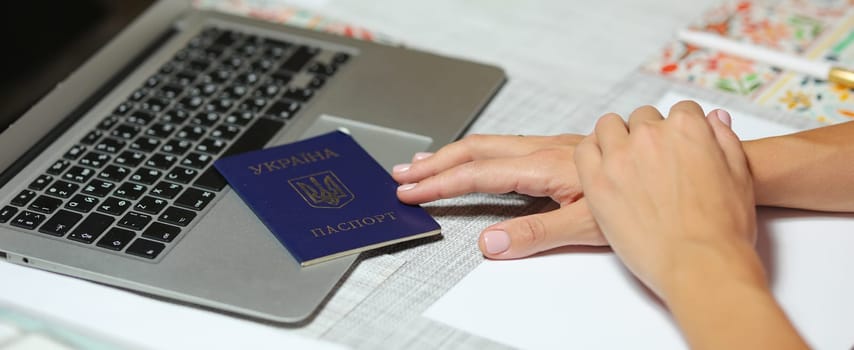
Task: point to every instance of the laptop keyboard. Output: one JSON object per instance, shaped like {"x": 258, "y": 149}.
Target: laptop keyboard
{"x": 134, "y": 183}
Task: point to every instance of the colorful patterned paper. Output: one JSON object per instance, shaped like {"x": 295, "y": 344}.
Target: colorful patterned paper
{"x": 278, "y": 12}
{"x": 816, "y": 30}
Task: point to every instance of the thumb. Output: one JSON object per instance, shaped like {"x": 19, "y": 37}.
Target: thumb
{"x": 527, "y": 235}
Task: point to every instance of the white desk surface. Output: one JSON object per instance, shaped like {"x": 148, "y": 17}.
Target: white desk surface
{"x": 559, "y": 55}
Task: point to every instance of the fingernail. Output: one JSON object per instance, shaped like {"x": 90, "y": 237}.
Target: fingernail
{"x": 724, "y": 117}
{"x": 406, "y": 187}
{"x": 496, "y": 241}
{"x": 421, "y": 155}
{"x": 400, "y": 168}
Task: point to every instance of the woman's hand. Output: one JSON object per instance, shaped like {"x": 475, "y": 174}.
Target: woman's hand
{"x": 672, "y": 196}
{"x": 540, "y": 166}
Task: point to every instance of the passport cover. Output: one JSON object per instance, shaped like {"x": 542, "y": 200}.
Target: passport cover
{"x": 324, "y": 197}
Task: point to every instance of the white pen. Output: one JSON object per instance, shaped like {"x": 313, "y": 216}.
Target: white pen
{"x": 818, "y": 69}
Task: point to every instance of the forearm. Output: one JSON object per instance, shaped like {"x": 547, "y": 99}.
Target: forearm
{"x": 721, "y": 301}
{"x": 812, "y": 170}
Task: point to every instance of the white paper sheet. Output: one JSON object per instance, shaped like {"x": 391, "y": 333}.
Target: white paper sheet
{"x": 584, "y": 298}
{"x": 746, "y": 126}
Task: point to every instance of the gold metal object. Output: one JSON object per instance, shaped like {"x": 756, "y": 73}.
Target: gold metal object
{"x": 841, "y": 76}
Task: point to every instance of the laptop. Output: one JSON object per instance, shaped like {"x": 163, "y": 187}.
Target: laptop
{"x": 108, "y": 176}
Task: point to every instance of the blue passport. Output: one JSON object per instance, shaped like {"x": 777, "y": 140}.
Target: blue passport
{"x": 324, "y": 197}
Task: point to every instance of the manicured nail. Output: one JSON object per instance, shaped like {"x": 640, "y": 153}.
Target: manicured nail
{"x": 401, "y": 168}
{"x": 496, "y": 241}
{"x": 724, "y": 117}
{"x": 406, "y": 187}
{"x": 421, "y": 155}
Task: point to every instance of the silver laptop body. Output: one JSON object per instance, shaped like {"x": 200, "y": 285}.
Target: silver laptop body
{"x": 395, "y": 101}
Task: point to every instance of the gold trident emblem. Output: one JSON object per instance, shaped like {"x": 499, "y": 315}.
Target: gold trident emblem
{"x": 322, "y": 190}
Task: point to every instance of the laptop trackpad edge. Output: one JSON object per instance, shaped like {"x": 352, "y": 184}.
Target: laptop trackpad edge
{"x": 388, "y": 146}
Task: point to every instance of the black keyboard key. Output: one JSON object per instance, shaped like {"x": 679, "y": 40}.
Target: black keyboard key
{"x": 28, "y": 220}
{"x": 161, "y": 232}
{"x": 92, "y": 226}
{"x": 145, "y": 248}
{"x": 207, "y": 119}
{"x": 226, "y": 132}
{"x": 191, "y": 132}
{"x": 253, "y": 104}
{"x": 167, "y": 190}
{"x": 99, "y": 188}
{"x": 58, "y": 167}
{"x": 182, "y": 175}
{"x": 62, "y": 189}
{"x": 282, "y": 77}
{"x": 114, "y": 206}
{"x": 196, "y": 160}
{"x": 23, "y": 198}
{"x": 7, "y": 213}
{"x": 269, "y": 90}
{"x": 114, "y": 173}
{"x": 78, "y": 174}
{"x": 221, "y": 105}
{"x": 226, "y": 38}
{"x": 95, "y": 159}
{"x": 130, "y": 190}
{"x": 153, "y": 81}
{"x": 141, "y": 118}
{"x": 298, "y": 60}
{"x": 211, "y": 180}
{"x": 248, "y": 78}
{"x": 130, "y": 158}
{"x": 75, "y": 152}
{"x": 240, "y": 118}
{"x": 200, "y": 64}
{"x": 146, "y": 176}
{"x": 321, "y": 68}
{"x": 126, "y": 131}
{"x": 185, "y": 77}
{"x": 161, "y": 161}
{"x": 92, "y": 137}
{"x": 177, "y": 216}
{"x": 171, "y": 90}
{"x": 139, "y": 94}
{"x": 116, "y": 239}
{"x": 110, "y": 145}
{"x": 191, "y": 103}
{"x": 45, "y": 204}
{"x": 262, "y": 65}
{"x": 150, "y": 205}
{"x": 298, "y": 94}
{"x": 211, "y": 146}
{"x": 284, "y": 109}
{"x": 61, "y": 223}
{"x": 145, "y": 144}
{"x": 160, "y": 130}
{"x": 195, "y": 199}
{"x": 40, "y": 182}
{"x": 316, "y": 82}
{"x": 135, "y": 221}
{"x": 108, "y": 122}
{"x": 81, "y": 203}
{"x": 205, "y": 90}
{"x": 236, "y": 91}
{"x": 340, "y": 58}
{"x": 177, "y": 147}
{"x": 125, "y": 107}
{"x": 256, "y": 136}
{"x": 175, "y": 116}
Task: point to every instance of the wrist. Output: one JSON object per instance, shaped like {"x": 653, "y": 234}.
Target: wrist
{"x": 701, "y": 269}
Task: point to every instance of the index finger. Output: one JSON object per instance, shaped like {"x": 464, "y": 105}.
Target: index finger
{"x": 478, "y": 147}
